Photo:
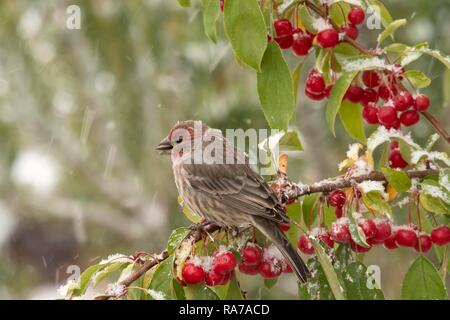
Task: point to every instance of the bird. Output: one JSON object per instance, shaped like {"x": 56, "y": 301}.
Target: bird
{"x": 226, "y": 194}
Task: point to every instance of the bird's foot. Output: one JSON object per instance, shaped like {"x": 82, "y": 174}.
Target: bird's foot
{"x": 204, "y": 227}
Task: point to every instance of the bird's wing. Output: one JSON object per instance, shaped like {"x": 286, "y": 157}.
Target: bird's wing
{"x": 238, "y": 187}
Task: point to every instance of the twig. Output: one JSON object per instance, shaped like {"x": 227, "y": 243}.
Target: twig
{"x": 329, "y": 185}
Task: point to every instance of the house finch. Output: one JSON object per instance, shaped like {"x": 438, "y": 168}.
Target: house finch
{"x": 216, "y": 181}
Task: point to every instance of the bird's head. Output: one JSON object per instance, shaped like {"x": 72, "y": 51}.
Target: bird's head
{"x": 182, "y": 133}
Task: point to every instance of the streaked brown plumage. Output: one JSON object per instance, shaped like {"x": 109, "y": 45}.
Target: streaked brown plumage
{"x": 228, "y": 194}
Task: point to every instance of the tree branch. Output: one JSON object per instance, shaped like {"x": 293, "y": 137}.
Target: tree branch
{"x": 295, "y": 191}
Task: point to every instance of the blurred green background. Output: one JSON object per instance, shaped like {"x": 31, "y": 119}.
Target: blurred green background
{"x": 82, "y": 110}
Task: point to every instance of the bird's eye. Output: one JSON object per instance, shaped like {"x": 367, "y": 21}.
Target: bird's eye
{"x": 180, "y": 139}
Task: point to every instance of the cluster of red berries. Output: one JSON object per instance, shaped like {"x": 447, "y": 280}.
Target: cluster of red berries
{"x": 378, "y": 231}
{"x": 267, "y": 262}
{"x": 398, "y": 107}
{"x": 395, "y": 158}
{"x": 213, "y": 271}
{"x": 301, "y": 41}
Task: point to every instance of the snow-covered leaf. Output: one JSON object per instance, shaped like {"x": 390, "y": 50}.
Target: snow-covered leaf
{"x": 386, "y": 17}
{"x": 329, "y": 271}
{"x": 163, "y": 277}
{"x": 176, "y": 237}
{"x": 356, "y": 232}
{"x": 317, "y": 287}
{"x": 359, "y": 285}
{"x": 382, "y": 135}
{"x": 376, "y": 201}
{"x": 85, "y": 279}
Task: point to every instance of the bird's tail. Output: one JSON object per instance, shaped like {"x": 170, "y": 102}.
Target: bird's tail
{"x": 273, "y": 232}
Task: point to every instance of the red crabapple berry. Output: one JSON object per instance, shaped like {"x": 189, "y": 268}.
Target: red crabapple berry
{"x": 424, "y": 243}
{"x": 441, "y": 235}
{"x": 409, "y": 117}
{"x": 395, "y": 125}
{"x": 354, "y": 93}
{"x": 252, "y": 255}
{"x": 396, "y": 160}
{"x": 224, "y": 262}
{"x": 339, "y": 212}
{"x": 222, "y": 3}
{"x": 369, "y": 228}
{"x": 248, "y": 269}
{"x": 383, "y": 231}
{"x": 340, "y": 232}
{"x": 356, "y": 16}
{"x": 403, "y": 101}
{"x": 192, "y": 273}
{"x": 386, "y": 93}
{"x": 387, "y": 115}
{"x": 213, "y": 278}
{"x": 283, "y": 27}
{"x": 369, "y": 96}
{"x": 370, "y": 114}
{"x": 328, "y": 38}
{"x": 285, "y": 226}
{"x": 326, "y": 238}
{"x": 351, "y": 31}
{"x": 302, "y": 44}
{"x": 315, "y": 97}
{"x": 406, "y": 237}
{"x": 283, "y": 30}
{"x": 315, "y": 83}
{"x": 336, "y": 198}
{"x": 286, "y": 268}
{"x": 359, "y": 249}
{"x": 269, "y": 270}
{"x": 389, "y": 243}
{"x": 421, "y": 103}
{"x": 394, "y": 145}
{"x": 371, "y": 79}
{"x": 305, "y": 245}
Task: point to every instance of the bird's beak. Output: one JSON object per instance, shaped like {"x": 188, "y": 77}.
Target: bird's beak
{"x": 164, "y": 146}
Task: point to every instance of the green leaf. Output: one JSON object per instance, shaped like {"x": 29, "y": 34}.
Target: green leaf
{"x": 358, "y": 284}
{"x": 108, "y": 270}
{"x": 396, "y": 47}
{"x": 375, "y": 201}
{"x": 234, "y": 291}
{"x": 336, "y": 96}
{"x": 390, "y": 29}
{"x": 290, "y": 142}
{"x": 178, "y": 290}
{"x": 398, "y": 179}
{"x": 351, "y": 117}
{"x": 432, "y": 204}
{"x": 296, "y": 78}
{"x": 190, "y": 215}
{"x": 386, "y": 18}
{"x": 446, "y": 88}
{"x": 294, "y": 212}
{"x": 422, "y": 282}
{"x": 308, "y": 204}
{"x": 246, "y": 30}
{"x": 184, "y": 3}
{"x": 306, "y": 19}
{"x": 343, "y": 257}
{"x": 329, "y": 271}
{"x": 418, "y": 78}
{"x": 85, "y": 279}
{"x": 425, "y": 49}
{"x": 356, "y": 232}
{"x": 200, "y": 291}
{"x": 339, "y": 12}
{"x": 162, "y": 278}
{"x": 176, "y": 237}
{"x": 269, "y": 283}
{"x": 275, "y": 88}
{"x": 211, "y": 12}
